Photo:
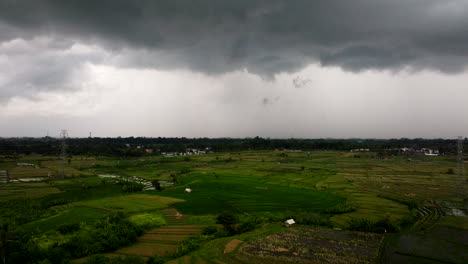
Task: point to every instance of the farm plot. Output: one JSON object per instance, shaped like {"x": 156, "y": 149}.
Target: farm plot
{"x": 312, "y": 245}
{"x": 245, "y": 194}
{"x": 273, "y": 243}
{"x": 26, "y": 190}
{"x": 56, "y": 166}
{"x": 439, "y": 245}
{"x": 382, "y": 187}
{"x": 162, "y": 241}
{"x": 129, "y": 203}
{"x": 28, "y": 172}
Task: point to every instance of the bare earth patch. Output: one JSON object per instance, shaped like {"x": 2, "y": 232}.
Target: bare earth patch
{"x": 232, "y": 245}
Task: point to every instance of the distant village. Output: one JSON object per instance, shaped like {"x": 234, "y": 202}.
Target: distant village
{"x": 188, "y": 152}
{"x": 406, "y": 151}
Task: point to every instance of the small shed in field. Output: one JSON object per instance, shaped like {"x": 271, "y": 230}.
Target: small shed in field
{"x": 289, "y": 222}
{"x": 188, "y": 190}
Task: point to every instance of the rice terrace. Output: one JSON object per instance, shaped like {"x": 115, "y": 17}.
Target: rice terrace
{"x": 377, "y": 205}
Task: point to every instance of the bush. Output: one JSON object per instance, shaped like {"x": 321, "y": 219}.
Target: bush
{"x": 209, "y": 230}
{"x": 68, "y": 228}
{"x": 386, "y": 225}
{"x": 191, "y": 244}
{"x": 409, "y": 220}
{"x": 155, "y": 259}
{"x": 246, "y": 227}
{"x": 228, "y": 220}
{"x": 108, "y": 233}
{"x": 381, "y": 226}
{"x": 97, "y": 259}
{"x": 132, "y": 186}
{"x": 363, "y": 225}
{"x": 451, "y": 171}
{"x": 222, "y": 233}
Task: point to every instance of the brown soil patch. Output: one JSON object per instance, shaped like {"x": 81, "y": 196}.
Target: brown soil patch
{"x": 232, "y": 245}
{"x": 281, "y": 249}
{"x": 148, "y": 249}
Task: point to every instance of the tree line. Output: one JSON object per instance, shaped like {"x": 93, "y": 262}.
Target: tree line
{"x": 136, "y": 146}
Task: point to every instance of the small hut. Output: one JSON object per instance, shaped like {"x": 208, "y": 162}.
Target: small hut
{"x": 289, "y": 222}
{"x": 188, "y": 190}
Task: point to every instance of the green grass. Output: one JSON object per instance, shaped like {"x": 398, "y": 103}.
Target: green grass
{"x": 239, "y": 193}
{"x": 257, "y": 183}
{"x": 459, "y": 222}
{"x": 148, "y": 220}
{"x": 129, "y": 203}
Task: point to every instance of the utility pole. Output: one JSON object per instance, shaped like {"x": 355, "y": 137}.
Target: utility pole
{"x": 64, "y": 135}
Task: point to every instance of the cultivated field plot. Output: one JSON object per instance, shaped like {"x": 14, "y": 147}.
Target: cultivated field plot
{"x": 162, "y": 241}
{"x": 129, "y": 203}
{"x": 29, "y": 172}
{"x": 312, "y": 245}
{"x": 268, "y": 185}
{"x": 26, "y": 190}
{"x": 379, "y": 187}
{"x": 299, "y": 244}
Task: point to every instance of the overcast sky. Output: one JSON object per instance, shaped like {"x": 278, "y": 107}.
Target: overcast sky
{"x": 244, "y": 68}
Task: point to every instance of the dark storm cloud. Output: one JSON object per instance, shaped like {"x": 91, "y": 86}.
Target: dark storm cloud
{"x": 265, "y": 37}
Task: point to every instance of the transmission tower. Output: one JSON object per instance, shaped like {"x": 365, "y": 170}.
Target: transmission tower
{"x": 460, "y": 159}
{"x": 63, "y": 154}
{"x": 461, "y": 166}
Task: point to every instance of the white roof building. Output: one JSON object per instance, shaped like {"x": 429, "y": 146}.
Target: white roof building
{"x": 188, "y": 190}
{"x": 290, "y": 221}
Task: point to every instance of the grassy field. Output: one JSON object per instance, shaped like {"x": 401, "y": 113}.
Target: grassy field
{"x": 253, "y": 184}
{"x": 26, "y": 190}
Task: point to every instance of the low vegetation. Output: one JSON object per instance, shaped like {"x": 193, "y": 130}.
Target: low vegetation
{"x": 235, "y": 211}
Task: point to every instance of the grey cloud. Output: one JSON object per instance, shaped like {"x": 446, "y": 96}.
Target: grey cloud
{"x": 299, "y": 82}
{"x": 41, "y": 64}
{"x": 264, "y": 37}
{"x": 269, "y": 100}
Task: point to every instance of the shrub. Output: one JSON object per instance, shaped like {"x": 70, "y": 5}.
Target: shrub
{"x": 364, "y": 225}
{"x": 209, "y": 230}
{"x": 97, "y": 259}
{"x": 155, "y": 259}
{"x": 106, "y": 234}
{"x": 156, "y": 185}
{"x": 386, "y": 225}
{"x": 246, "y": 227}
{"x": 451, "y": 171}
{"x": 68, "y": 228}
{"x": 132, "y": 186}
{"x": 228, "y": 221}
{"x": 191, "y": 244}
